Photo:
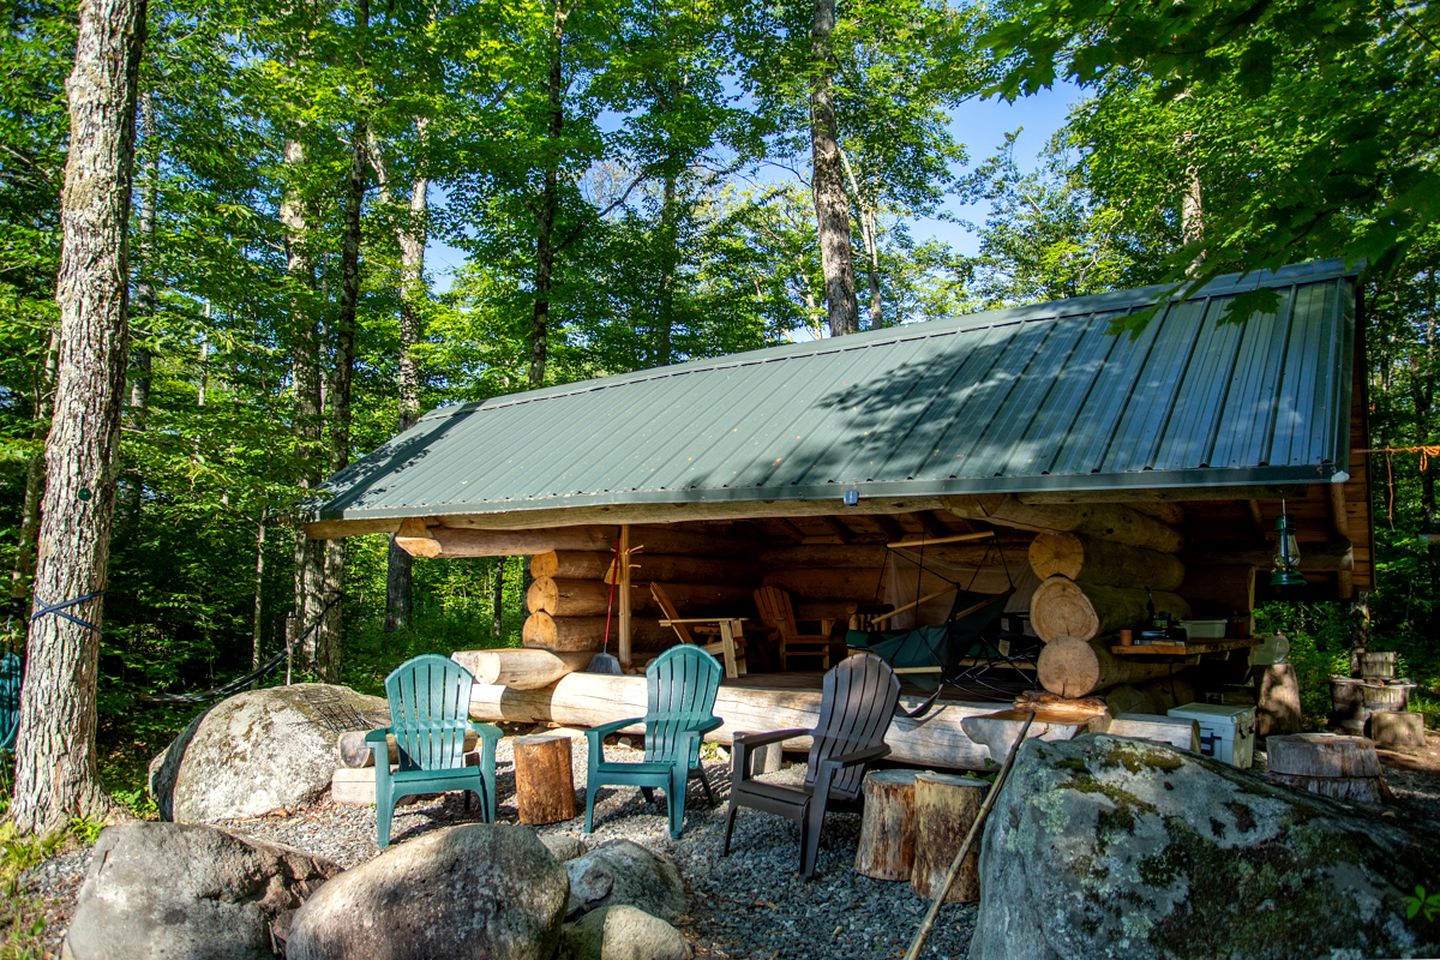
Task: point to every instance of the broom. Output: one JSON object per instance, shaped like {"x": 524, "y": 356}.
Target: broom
{"x": 604, "y": 661}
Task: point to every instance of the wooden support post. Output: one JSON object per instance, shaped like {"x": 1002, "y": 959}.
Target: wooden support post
{"x": 945, "y": 807}
{"x": 544, "y": 784}
{"x": 887, "y": 834}
{"x": 622, "y": 644}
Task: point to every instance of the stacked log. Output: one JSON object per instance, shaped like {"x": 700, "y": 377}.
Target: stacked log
{"x": 704, "y": 571}
{"x": 1092, "y": 587}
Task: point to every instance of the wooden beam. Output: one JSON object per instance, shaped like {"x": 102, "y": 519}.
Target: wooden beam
{"x": 1168, "y": 494}
{"x": 589, "y": 699}
{"x": 1339, "y": 520}
{"x": 637, "y": 513}
{"x": 1104, "y": 521}
{"x": 1325, "y": 557}
{"x": 1257, "y": 518}
{"x": 932, "y": 541}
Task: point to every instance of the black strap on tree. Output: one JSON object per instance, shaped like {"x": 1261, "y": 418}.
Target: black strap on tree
{"x": 59, "y": 609}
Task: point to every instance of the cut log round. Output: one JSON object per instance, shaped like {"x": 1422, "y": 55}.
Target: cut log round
{"x": 1076, "y": 668}
{"x": 544, "y": 784}
{"x": 1060, "y": 607}
{"x": 945, "y": 807}
{"x": 521, "y": 668}
{"x": 571, "y": 564}
{"x": 577, "y": 598}
{"x": 1102, "y": 562}
{"x": 571, "y": 634}
{"x": 1350, "y": 789}
{"x": 887, "y": 833}
{"x": 1322, "y": 755}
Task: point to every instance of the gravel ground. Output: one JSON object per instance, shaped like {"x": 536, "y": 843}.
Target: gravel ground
{"x": 748, "y": 906}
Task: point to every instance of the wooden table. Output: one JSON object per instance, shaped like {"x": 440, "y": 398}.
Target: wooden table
{"x": 1191, "y": 648}
{"x": 732, "y": 629}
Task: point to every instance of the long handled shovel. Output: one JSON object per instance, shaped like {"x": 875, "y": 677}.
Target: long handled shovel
{"x": 928, "y": 924}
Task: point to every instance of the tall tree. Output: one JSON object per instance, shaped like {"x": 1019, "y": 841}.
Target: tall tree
{"x": 827, "y": 183}
{"x": 56, "y": 774}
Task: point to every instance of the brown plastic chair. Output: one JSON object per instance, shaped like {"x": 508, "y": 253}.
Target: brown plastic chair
{"x": 858, "y": 699}
{"x": 777, "y": 614}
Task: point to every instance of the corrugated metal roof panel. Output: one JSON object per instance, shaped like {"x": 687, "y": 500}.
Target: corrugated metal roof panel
{"x": 1040, "y": 397}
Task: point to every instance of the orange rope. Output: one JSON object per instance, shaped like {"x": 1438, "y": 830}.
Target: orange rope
{"x": 1426, "y": 451}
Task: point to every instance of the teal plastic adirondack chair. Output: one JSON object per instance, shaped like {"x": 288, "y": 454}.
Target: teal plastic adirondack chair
{"x": 9, "y": 700}
{"x": 681, "y": 686}
{"x": 429, "y": 700}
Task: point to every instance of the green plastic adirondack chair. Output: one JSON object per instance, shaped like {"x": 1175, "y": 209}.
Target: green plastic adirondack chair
{"x": 429, "y": 700}
{"x": 681, "y": 685}
{"x": 9, "y": 700}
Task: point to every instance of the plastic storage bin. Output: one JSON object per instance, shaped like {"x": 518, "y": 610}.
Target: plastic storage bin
{"x": 1227, "y": 733}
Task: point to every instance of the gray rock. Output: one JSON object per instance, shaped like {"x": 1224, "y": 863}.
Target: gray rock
{"x": 174, "y": 891}
{"x": 622, "y": 933}
{"x": 258, "y": 751}
{"x": 564, "y": 848}
{"x": 479, "y": 890}
{"x": 1107, "y": 847}
{"x": 623, "y": 872}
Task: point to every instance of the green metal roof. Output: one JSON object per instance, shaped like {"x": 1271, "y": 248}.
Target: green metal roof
{"x": 1018, "y": 400}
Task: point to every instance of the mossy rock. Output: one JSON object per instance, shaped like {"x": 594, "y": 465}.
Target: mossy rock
{"x": 1107, "y": 847}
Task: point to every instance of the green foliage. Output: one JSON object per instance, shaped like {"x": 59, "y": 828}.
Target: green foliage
{"x": 1319, "y": 635}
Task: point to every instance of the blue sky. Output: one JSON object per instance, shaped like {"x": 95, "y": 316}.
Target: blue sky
{"x": 980, "y": 124}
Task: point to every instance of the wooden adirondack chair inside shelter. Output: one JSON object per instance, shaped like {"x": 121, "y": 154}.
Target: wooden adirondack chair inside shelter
{"x": 857, "y": 700}
{"x": 429, "y": 699}
{"x": 680, "y": 685}
{"x": 700, "y": 630}
{"x": 777, "y": 613}
{"x": 9, "y": 700}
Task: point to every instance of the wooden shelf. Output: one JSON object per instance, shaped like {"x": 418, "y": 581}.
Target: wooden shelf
{"x": 1181, "y": 649}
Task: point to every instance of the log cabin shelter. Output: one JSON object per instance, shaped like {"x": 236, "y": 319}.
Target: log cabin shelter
{"x": 805, "y": 465}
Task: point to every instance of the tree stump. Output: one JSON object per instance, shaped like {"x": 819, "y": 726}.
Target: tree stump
{"x": 1278, "y": 709}
{"x": 887, "y": 834}
{"x": 1344, "y": 768}
{"x": 544, "y": 784}
{"x": 945, "y": 807}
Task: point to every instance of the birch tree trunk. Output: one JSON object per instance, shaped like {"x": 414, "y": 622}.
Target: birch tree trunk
{"x": 832, "y": 210}
{"x": 56, "y": 774}
{"x": 872, "y": 245}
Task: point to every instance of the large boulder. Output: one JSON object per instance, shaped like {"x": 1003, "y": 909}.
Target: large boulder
{"x": 479, "y": 890}
{"x": 623, "y": 872}
{"x": 180, "y": 891}
{"x": 1108, "y": 847}
{"x": 258, "y": 751}
{"x": 622, "y": 933}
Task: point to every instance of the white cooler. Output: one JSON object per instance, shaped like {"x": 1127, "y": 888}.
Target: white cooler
{"x": 1227, "y": 733}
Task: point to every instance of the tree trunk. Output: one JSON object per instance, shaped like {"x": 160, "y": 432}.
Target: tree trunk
{"x": 549, "y": 202}
{"x": 257, "y": 625}
{"x": 872, "y": 244}
{"x": 305, "y": 375}
{"x": 411, "y": 235}
{"x": 832, "y": 210}
{"x": 143, "y": 314}
{"x": 56, "y": 774}
{"x": 497, "y": 606}
{"x": 328, "y": 640}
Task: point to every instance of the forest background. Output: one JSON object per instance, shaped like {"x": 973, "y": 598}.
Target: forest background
{"x": 632, "y": 184}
